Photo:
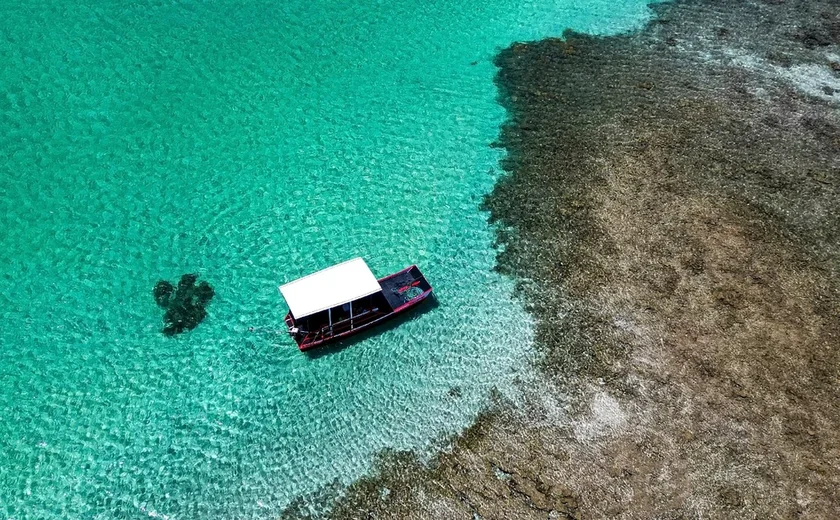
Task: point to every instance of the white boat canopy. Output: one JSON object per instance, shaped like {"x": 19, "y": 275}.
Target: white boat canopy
{"x": 334, "y": 286}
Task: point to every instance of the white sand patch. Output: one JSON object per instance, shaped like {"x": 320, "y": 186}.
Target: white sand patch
{"x": 605, "y": 418}
{"x": 815, "y": 79}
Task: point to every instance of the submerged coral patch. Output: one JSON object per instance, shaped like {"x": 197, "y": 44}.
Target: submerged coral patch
{"x": 185, "y": 305}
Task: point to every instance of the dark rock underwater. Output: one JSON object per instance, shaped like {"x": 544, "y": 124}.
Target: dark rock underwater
{"x": 184, "y": 304}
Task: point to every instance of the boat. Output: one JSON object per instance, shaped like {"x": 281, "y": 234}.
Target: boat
{"x": 346, "y": 299}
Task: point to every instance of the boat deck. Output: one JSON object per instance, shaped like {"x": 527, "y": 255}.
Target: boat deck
{"x": 403, "y": 287}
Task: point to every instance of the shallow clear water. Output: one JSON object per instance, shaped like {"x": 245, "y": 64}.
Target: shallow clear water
{"x": 252, "y": 142}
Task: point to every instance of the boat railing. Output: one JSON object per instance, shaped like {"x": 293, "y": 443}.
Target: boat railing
{"x": 344, "y": 325}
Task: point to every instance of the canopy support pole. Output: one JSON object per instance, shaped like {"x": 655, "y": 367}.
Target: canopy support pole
{"x": 351, "y": 315}
{"x": 329, "y": 316}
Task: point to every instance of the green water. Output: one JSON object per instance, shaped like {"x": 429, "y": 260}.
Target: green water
{"x": 252, "y": 142}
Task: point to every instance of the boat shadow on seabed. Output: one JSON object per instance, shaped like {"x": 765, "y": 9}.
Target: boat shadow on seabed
{"x": 392, "y": 323}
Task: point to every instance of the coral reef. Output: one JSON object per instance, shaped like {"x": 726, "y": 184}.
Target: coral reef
{"x": 671, "y": 217}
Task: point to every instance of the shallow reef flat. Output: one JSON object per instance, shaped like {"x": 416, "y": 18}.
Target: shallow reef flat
{"x": 671, "y": 218}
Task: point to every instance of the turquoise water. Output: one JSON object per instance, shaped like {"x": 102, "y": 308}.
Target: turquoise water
{"x": 252, "y": 142}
